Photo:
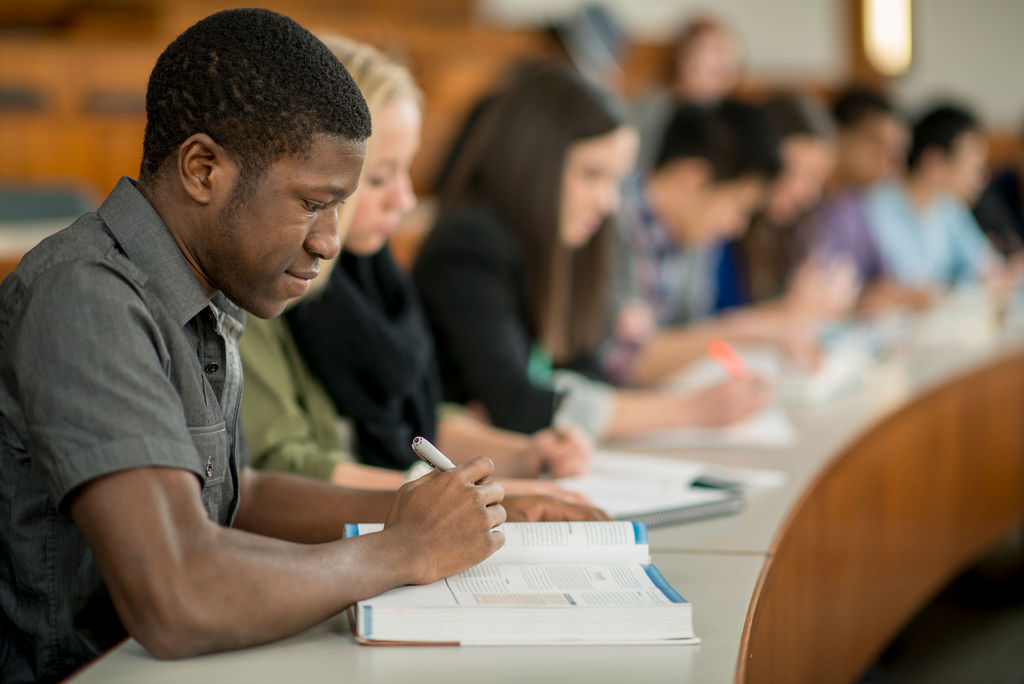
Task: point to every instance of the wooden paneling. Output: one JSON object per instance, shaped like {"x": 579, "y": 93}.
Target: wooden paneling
{"x": 887, "y": 524}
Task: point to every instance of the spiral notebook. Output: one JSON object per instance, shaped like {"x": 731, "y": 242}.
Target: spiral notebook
{"x": 654, "y": 491}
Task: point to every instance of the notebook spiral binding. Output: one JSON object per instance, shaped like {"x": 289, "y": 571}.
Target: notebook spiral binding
{"x": 732, "y": 504}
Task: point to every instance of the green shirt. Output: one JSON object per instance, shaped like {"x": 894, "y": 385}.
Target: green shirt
{"x": 290, "y": 421}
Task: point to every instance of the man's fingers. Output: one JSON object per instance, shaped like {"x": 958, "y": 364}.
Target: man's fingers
{"x": 497, "y": 540}
{"x": 490, "y": 493}
{"x": 496, "y": 515}
{"x": 477, "y": 470}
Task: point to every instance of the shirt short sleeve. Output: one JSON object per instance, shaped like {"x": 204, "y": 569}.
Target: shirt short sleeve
{"x": 87, "y": 364}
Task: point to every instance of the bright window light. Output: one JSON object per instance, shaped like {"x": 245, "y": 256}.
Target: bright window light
{"x": 887, "y": 40}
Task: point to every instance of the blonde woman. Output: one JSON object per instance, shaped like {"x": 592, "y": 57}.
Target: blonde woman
{"x": 359, "y": 347}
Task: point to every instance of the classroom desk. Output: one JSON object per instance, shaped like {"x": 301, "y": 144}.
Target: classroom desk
{"x": 893, "y": 489}
{"x": 328, "y": 653}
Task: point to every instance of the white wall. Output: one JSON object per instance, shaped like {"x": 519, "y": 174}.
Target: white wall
{"x": 971, "y": 49}
{"x": 794, "y": 37}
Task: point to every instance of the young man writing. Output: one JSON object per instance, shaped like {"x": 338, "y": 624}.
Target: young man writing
{"x": 128, "y": 505}
{"x": 711, "y": 174}
{"x": 923, "y": 227}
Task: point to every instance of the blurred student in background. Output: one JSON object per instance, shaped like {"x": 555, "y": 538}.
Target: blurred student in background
{"x": 706, "y": 67}
{"x": 360, "y": 348}
{"x": 872, "y": 143}
{"x": 1000, "y": 209}
{"x": 922, "y": 225}
{"x": 514, "y": 274}
{"x": 712, "y": 173}
{"x": 772, "y": 261}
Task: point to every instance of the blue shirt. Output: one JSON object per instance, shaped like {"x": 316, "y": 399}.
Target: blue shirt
{"x": 940, "y": 244}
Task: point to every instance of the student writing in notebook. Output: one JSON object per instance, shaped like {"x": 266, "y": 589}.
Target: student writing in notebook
{"x": 772, "y": 261}
{"x": 513, "y": 275}
{"x": 711, "y": 174}
{"x": 922, "y": 225}
{"x": 130, "y": 507}
{"x": 872, "y": 140}
{"x": 360, "y": 346}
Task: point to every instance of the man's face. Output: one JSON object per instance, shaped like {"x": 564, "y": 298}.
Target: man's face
{"x": 874, "y": 150}
{"x": 807, "y": 164}
{"x": 264, "y": 245}
{"x": 716, "y": 211}
{"x": 967, "y": 166}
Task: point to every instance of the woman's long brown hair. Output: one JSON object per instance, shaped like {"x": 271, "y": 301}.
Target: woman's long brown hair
{"x": 512, "y": 163}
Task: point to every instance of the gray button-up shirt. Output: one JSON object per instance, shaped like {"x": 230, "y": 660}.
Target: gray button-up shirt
{"x": 111, "y": 357}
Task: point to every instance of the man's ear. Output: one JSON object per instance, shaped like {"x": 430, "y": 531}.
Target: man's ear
{"x": 205, "y": 170}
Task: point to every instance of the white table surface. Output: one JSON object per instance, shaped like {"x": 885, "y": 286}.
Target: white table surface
{"x": 714, "y": 563}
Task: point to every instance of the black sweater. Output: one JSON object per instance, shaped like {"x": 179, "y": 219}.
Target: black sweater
{"x": 469, "y": 275}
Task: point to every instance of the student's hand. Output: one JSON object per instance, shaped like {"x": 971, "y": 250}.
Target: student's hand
{"x": 561, "y": 453}
{"x": 887, "y": 295}
{"x": 546, "y": 508}
{"x": 798, "y": 340}
{"x": 635, "y": 321}
{"x": 725, "y": 403}
{"x": 823, "y": 289}
{"x": 443, "y": 521}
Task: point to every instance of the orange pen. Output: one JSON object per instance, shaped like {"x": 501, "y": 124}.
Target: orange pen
{"x": 722, "y": 352}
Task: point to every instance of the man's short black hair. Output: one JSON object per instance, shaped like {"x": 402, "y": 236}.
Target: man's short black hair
{"x": 939, "y": 127}
{"x": 255, "y": 81}
{"x": 734, "y": 138}
{"x": 856, "y": 104}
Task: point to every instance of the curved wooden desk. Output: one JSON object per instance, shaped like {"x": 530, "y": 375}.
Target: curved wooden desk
{"x": 887, "y": 523}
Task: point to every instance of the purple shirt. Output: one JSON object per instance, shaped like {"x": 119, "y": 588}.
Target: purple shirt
{"x": 845, "y": 232}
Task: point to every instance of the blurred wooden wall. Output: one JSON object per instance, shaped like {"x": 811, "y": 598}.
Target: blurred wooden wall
{"x": 73, "y": 74}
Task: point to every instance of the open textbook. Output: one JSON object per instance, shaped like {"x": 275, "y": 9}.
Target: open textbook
{"x": 661, "y": 491}
{"x": 551, "y": 583}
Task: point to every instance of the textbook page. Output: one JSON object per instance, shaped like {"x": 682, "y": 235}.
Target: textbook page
{"x": 523, "y": 585}
{"x": 533, "y": 604}
{"x": 560, "y": 542}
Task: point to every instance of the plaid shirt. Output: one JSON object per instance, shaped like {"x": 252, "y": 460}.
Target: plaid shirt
{"x": 677, "y": 284}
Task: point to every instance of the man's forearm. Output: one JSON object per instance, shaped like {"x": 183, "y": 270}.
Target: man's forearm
{"x": 184, "y": 585}
{"x": 269, "y": 506}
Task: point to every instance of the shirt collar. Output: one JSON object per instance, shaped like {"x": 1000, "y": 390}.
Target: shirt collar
{"x": 650, "y": 230}
{"x": 148, "y": 243}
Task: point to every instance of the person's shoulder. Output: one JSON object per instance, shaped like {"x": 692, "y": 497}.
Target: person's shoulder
{"x": 469, "y": 229}
{"x": 85, "y": 245}
{"x": 471, "y": 220}
{"x": 263, "y": 332}
{"x": 886, "y": 192}
{"x": 886, "y": 200}
{"x": 77, "y": 263}
{"x": 955, "y": 214}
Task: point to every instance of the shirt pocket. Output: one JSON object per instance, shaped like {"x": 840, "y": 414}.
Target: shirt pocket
{"x": 211, "y": 441}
